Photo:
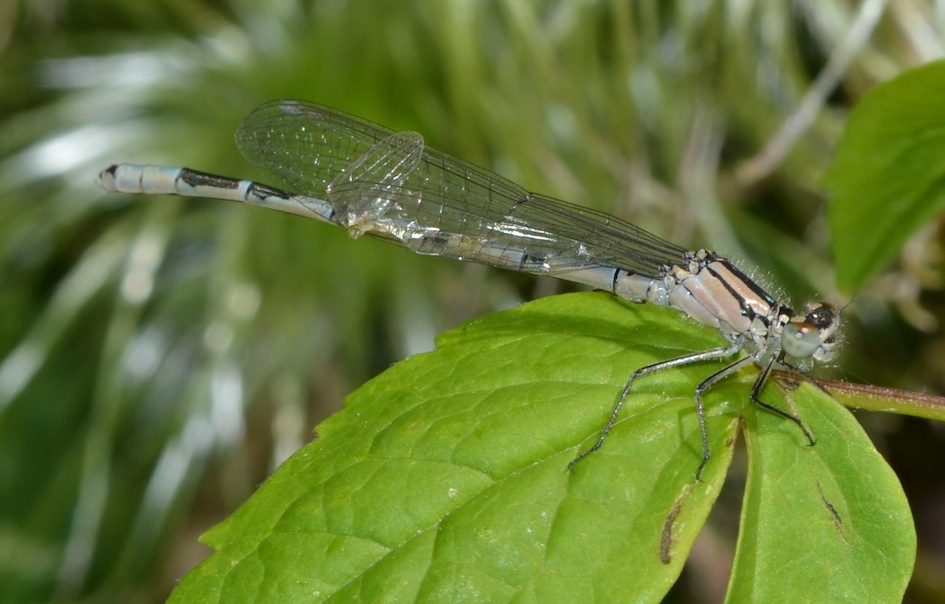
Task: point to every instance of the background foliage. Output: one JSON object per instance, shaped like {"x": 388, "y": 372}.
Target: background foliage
{"x": 161, "y": 357}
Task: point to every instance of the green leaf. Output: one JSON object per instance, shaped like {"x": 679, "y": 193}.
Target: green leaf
{"x": 827, "y": 523}
{"x": 446, "y": 477}
{"x": 888, "y": 173}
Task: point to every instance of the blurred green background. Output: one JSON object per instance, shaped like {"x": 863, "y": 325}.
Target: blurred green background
{"x": 159, "y": 357}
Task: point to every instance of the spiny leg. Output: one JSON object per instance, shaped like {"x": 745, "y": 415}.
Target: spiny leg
{"x": 700, "y": 408}
{"x": 707, "y": 355}
{"x": 756, "y": 399}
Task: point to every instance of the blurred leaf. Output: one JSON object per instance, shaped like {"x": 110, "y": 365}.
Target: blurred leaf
{"x": 446, "y": 477}
{"x": 888, "y": 171}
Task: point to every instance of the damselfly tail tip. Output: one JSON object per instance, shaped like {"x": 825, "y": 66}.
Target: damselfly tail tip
{"x": 106, "y": 178}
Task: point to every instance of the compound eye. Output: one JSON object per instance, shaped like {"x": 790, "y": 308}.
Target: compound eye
{"x": 821, "y": 315}
{"x": 800, "y": 339}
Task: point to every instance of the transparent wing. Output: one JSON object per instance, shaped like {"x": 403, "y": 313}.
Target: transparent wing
{"x": 390, "y": 184}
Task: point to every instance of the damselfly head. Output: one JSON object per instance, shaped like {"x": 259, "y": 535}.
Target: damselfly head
{"x": 812, "y": 334}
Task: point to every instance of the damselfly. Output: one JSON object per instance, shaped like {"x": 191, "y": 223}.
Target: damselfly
{"x": 373, "y": 181}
